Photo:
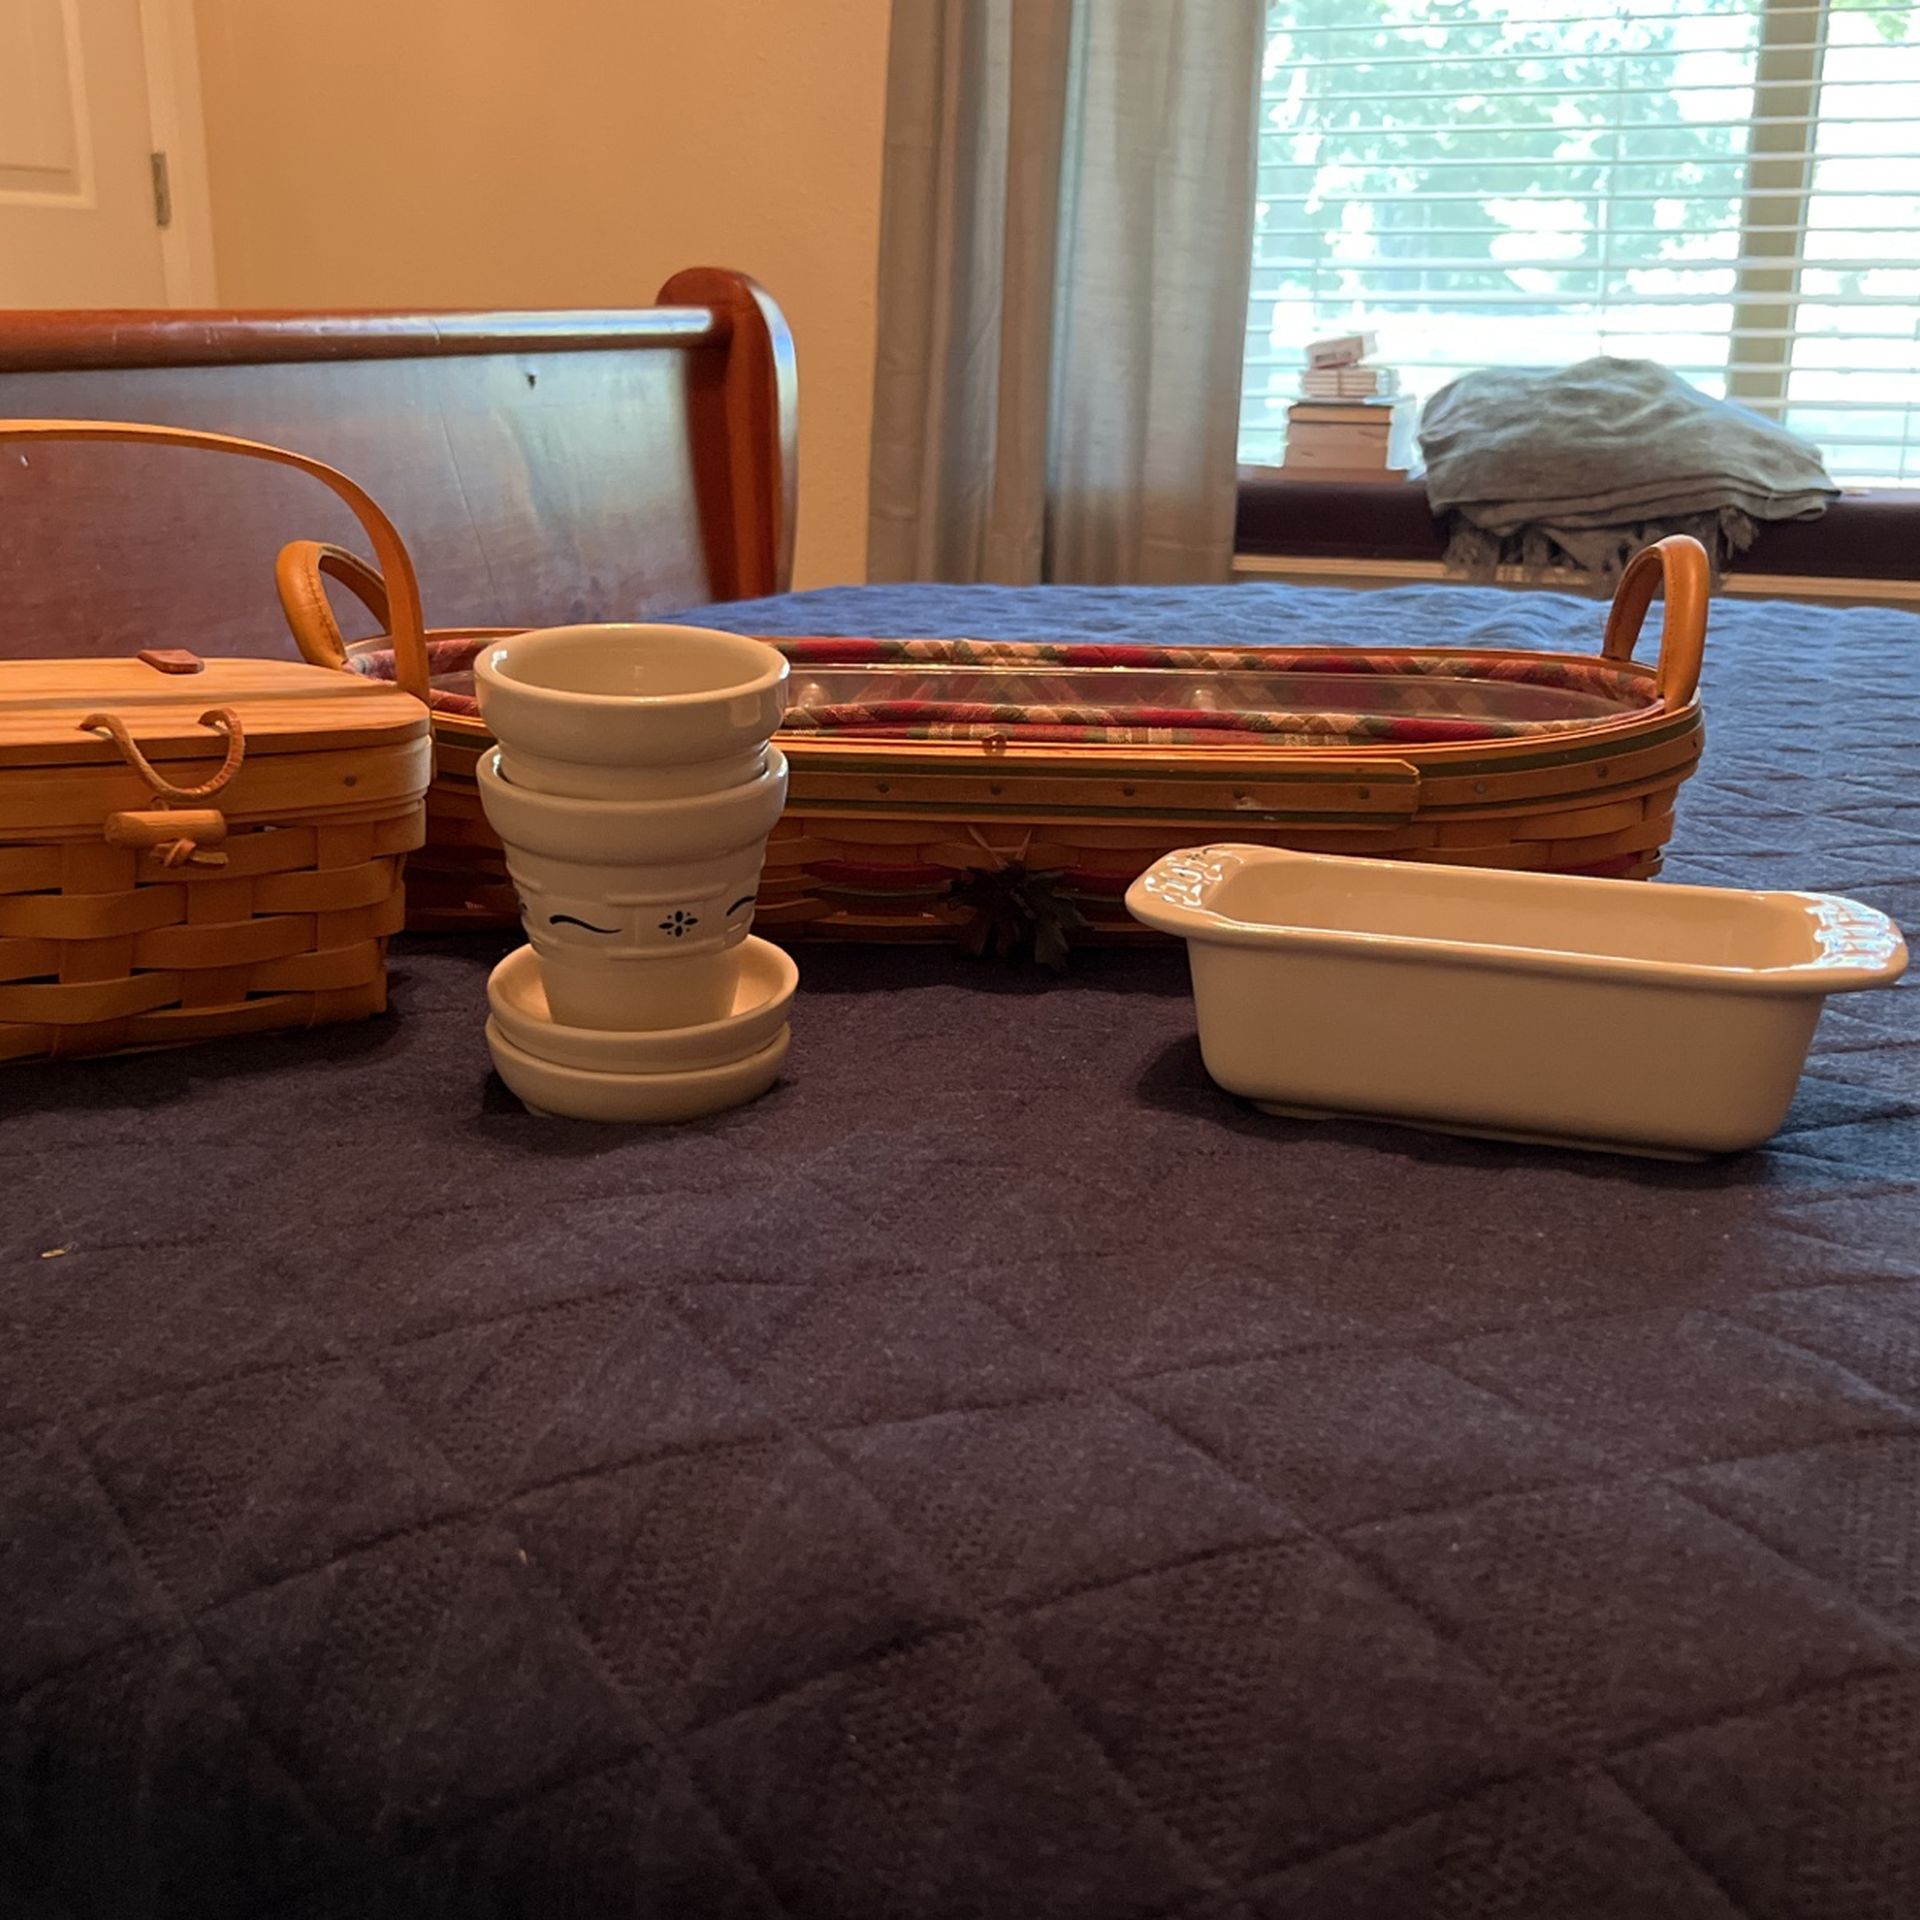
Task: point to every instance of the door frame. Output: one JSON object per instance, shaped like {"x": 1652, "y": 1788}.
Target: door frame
{"x": 178, "y": 129}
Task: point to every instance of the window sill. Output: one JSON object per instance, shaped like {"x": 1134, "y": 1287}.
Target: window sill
{"x": 1872, "y": 534}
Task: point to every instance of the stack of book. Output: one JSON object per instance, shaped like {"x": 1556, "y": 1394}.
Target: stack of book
{"x": 1351, "y": 422}
{"x": 1349, "y": 383}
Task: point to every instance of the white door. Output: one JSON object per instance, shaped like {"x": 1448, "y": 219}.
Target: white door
{"x": 78, "y": 221}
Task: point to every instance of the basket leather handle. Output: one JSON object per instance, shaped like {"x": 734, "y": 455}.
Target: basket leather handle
{"x": 1680, "y": 561}
{"x": 406, "y": 625}
{"x": 223, "y": 720}
{"x": 175, "y": 838}
{"x": 300, "y": 575}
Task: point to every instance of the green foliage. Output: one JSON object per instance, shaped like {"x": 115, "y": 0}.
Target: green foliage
{"x": 1892, "y": 27}
{"x": 1440, "y": 157}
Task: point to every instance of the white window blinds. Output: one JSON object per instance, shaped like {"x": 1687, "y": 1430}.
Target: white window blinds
{"x": 1731, "y": 187}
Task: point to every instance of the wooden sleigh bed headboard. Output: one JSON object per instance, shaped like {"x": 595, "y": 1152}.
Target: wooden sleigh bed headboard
{"x": 542, "y": 467}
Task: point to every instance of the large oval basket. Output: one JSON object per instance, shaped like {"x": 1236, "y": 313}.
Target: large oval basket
{"x": 955, "y": 787}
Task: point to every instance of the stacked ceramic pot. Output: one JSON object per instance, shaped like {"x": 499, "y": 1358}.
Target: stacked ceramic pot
{"x": 633, "y": 788}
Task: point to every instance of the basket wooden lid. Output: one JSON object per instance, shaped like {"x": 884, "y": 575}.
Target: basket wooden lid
{"x": 285, "y": 706}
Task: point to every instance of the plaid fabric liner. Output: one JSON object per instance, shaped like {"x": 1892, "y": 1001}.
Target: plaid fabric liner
{"x": 1068, "y": 723}
{"x": 1117, "y": 724}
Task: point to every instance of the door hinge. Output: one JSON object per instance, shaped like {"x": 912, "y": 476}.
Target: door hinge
{"x": 162, "y": 190}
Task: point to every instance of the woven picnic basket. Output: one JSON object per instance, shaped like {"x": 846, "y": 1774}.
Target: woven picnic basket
{"x": 927, "y": 800}
{"x": 192, "y": 848}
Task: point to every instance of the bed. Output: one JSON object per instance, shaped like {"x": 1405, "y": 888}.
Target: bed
{"x": 543, "y": 466}
{"x": 997, "y": 1474}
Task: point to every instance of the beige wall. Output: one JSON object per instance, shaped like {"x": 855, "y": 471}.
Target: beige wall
{"x": 562, "y": 153}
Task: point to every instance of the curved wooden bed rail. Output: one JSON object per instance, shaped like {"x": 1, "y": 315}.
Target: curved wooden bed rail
{"x": 68, "y": 340}
{"x": 541, "y": 466}
{"x": 760, "y": 399}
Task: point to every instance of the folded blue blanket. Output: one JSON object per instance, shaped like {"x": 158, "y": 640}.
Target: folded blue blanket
{"x": 1585, "y": 465}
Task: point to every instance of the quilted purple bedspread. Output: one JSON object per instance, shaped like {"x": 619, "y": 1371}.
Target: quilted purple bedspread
{"x": 997, "y": 1474}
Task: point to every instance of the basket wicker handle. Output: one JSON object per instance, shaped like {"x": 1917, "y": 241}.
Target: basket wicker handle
{"x": 300, "y": 575}
{"x": 396, "y": 567}
{"x": 1681, "y": 562}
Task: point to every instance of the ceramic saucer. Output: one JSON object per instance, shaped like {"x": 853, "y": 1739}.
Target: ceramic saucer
{"x": 762, "y": 995}
{"x": 656, "y": 1099}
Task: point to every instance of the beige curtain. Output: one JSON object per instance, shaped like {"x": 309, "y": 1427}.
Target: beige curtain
{"x": 1065, "y": 243}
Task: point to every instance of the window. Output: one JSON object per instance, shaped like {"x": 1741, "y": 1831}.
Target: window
{"x": 1731, "y": 187}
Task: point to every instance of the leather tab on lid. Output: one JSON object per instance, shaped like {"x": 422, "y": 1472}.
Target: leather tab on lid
{"x": 171, "y": 660}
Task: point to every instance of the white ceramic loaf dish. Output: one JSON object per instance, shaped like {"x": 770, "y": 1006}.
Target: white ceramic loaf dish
{"x": 1595, "y": 1013}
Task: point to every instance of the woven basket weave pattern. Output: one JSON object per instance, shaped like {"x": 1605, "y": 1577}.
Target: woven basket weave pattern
{"x": 194, "y": 848}
{"x": 99, "y": 951}
{"x": 879, "y": 834}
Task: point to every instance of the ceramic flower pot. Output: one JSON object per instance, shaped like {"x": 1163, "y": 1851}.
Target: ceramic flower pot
{"x": 637, "y": 908}
{"x": 631, "y": 712}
